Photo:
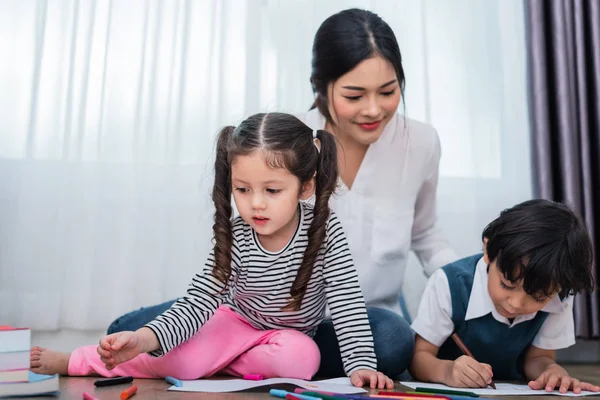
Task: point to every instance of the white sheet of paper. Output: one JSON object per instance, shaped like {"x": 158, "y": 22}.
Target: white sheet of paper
{"x": 336, "y": 385}
{"x": 502, "y": 389}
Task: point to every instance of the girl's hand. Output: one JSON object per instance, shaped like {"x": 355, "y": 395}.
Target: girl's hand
{"x": 119, "y": 347}
{"x": 467, "y": 372}
{"x": 377, "y": 380}
{"x": 556, "y": 376}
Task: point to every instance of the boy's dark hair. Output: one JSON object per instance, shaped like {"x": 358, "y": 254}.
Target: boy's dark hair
{"x": 545, "y": 244}
{"x": 342, "y": 42}
{"x": 287, "y": 143}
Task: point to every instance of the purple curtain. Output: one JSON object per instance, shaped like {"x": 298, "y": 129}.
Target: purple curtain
{"x": 563, "y": 44}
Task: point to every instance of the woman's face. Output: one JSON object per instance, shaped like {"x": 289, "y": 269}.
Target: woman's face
{"x": 363, "y": 101}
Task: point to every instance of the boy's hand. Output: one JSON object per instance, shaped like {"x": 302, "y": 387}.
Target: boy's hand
{"x": 465, "y": 371}
{"x": 119, "y": 347}
{"x": 556, "y": 376}
{"x": 377, "y": 380}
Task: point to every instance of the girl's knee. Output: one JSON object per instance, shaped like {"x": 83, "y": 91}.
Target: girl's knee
{"x": 180, "y": 363}
{"x": 298, "y": 355}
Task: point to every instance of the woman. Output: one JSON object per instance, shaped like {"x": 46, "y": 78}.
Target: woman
{"x": 389, "y": 171}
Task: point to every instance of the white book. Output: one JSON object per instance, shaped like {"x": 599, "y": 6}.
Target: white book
{"x": 14, "y": 360}
{"x": 14, "y": 339}
{"x": 15, "y": 375}
{"x": 36, "y": 386}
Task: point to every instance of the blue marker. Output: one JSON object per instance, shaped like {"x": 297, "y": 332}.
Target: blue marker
{"x": 281, "y": 394}
{"x": 174, "y": 381}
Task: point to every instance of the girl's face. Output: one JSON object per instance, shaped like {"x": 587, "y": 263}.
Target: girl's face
{"x": 362, "y": 101}
{"x": 267, "y": 198}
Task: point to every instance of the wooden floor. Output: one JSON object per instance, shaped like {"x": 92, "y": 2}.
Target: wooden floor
{"x": 73, "y": 388}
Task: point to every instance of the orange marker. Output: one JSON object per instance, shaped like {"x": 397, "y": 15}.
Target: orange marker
{"x": 125, "y": 394}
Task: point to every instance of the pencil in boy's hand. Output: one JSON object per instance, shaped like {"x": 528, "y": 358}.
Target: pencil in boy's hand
{"x": 466, "y": 351}
{"x": 461, "y": 345}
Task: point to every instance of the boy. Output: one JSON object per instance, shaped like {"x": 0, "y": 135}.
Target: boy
{"x": 512, "y": 306}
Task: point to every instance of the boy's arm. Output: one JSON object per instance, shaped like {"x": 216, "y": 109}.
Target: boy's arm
{"x": 425, "y": 365}
{"x": 557, "y": 332}
{"x": 462, "y": 372}
{"x": 537, "y": 361}
{"x": 433, "y": 326}
{"x": 545, "y": 374}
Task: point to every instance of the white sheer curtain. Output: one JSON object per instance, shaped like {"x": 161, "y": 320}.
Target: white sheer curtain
{"x": 109, "y": 110}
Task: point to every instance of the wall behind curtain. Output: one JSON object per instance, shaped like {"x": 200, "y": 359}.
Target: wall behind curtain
{"x": 109, "y": 110}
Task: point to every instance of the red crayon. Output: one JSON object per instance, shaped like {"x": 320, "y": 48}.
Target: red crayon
{"x": 88, "y": 396}
{"x": 125, "y": 394}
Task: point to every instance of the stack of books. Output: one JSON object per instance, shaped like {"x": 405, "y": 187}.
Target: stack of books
{"x": 14, "y": 354}
{"x": 15, "y": 377}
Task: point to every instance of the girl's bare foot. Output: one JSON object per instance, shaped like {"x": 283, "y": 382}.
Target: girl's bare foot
{"x": 48, "y": 362}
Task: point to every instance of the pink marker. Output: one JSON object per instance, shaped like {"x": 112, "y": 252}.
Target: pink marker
{"x": 253, "y": 377}
{"x": 88, "y": 396}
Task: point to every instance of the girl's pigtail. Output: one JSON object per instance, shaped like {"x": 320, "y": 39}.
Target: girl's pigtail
{"x": 221, "y": 195}
{"x": 326, "y": 183}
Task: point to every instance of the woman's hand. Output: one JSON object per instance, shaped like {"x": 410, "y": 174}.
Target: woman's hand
{"x": 376, "y": 380}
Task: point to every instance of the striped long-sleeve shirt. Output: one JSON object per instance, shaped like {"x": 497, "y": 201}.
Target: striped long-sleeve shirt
{"x": 259, "y": 287}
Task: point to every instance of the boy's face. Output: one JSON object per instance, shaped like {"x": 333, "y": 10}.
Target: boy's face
{"x": 509, "y": 298}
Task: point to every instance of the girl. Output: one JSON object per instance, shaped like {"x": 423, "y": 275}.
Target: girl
{"x": 389, "y": 173}
{"x": 264, "y": 289}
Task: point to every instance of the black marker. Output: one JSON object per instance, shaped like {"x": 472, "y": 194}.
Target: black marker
{"x": 113, "y": 381}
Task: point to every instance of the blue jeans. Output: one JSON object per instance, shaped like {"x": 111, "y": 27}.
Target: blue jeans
{"x": 393, "y": 338}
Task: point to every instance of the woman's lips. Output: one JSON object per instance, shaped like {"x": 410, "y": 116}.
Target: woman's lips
{"x": 371, "y": 126}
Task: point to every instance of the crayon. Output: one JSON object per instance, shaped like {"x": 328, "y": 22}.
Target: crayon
{"x": 318, "y": 393}
{"x": 426, "y": 396}
{"x": 446, "y": 391}
{"x": 174, "y": 381}
{"x": 333, "y": 396}
{"x": 125, "y": 394}
{"x": 283, "y": 394}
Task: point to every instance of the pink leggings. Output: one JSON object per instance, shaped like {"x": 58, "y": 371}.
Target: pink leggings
{"x": 227, "y": 343}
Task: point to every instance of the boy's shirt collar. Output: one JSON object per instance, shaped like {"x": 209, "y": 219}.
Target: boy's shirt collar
{"x": 480, "y": 302}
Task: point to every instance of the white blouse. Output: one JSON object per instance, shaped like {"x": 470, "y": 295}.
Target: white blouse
{"x": 391, "y": 208}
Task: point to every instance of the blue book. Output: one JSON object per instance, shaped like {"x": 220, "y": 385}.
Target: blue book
{"x": 38, "y": 385}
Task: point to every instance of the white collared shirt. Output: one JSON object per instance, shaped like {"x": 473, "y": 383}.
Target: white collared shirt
{"x": 434, "y": 319}
{"x": 391, "y": 208}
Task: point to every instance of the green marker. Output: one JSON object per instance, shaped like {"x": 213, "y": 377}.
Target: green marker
{"x": 446, "y": 391}
{"x": 323, "y": 396}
